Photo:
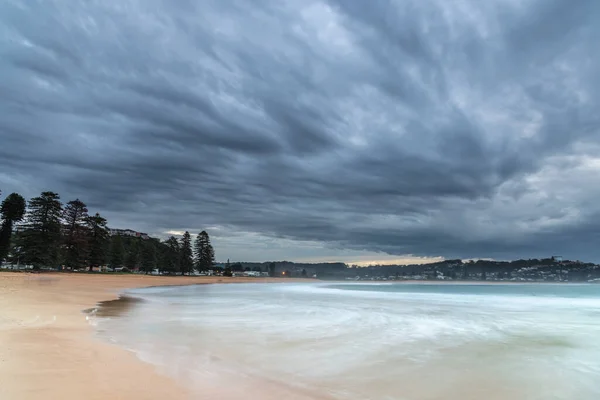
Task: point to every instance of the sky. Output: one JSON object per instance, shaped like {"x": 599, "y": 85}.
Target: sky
{"x": 313, "y": 130}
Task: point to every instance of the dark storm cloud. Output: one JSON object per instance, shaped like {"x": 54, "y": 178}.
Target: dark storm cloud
{"x": 456, "y": 129}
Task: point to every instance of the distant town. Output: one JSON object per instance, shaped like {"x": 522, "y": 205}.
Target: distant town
{"x": 552, "y": 269}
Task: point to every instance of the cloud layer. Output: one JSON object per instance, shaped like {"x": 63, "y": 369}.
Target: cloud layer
{"x": 454, "y": 129}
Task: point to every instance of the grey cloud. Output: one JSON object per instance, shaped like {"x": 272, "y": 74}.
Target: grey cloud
{"x": 428, "y": 128}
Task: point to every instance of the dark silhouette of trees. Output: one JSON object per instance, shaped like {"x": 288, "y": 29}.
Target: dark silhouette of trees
{"x": 272, "y": 270}
{"x": 117, "y": 252}
{"x": 205, "y": 254}
{"x": 149, "y": 255}
{"x": 75, "y": 219}
{"x": 237, "y": 267}
{"x": 99, "y": 240}
{"x": 186, "y": 257}
{"x": 40, "y": 240}
{"x": 12, "y": 210}
{"x": 54, "y": 236}
{"x": 171, "y": 260}
{"x": 133, "y": 254}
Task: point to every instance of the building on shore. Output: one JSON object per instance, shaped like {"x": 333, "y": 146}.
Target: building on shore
{"x": 127, "y": 232}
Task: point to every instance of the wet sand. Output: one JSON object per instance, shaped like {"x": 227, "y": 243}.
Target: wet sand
{"x": 47, "y": 346}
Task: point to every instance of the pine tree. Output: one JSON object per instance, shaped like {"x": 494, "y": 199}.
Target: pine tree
{"x": 99, "y": 240}
{"x": 149, "y": 255}
{"x": 75, "y": 216}
{"x": 186, "y": 257}
{"x": 209, "y": 257}
{"x": 162, "y": 255}
{"x": 198, "y": 250}
{"x": 5, "y": 238}
{"x": 116, "y": 252}
{"x": 172, "y": 254}
{"x": 12, "y": 210}
{"x": 133, "y": 256}
{"x": 205, "y": 254}
{"x": 42, "y": 234}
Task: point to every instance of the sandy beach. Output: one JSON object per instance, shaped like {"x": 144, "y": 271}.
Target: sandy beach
{"x": 47, "y": 346}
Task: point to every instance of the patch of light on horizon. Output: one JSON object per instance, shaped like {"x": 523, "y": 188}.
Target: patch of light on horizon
{"x": 408, "y": 260}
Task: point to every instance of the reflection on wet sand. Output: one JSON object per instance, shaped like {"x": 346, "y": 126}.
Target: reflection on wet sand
{"x": 115, "y": 308}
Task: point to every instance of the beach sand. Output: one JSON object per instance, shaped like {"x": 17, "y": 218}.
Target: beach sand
{"x": 47, "y": 346}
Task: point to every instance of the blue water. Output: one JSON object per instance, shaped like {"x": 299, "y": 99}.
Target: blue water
{"x": 370, "y": 341}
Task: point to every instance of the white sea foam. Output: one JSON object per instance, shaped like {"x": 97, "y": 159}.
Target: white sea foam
{"x": 374, "y": 341}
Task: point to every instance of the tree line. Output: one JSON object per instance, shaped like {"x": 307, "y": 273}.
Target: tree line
{"x": 46, "y": 233}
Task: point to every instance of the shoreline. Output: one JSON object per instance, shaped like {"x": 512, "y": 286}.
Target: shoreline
{"x": 459, "y": 282}
{"x": 49, "y": 349}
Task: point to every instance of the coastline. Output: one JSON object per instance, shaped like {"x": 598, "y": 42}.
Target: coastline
{"x": 460, "y": 282}
{"x": 48, "y": 349}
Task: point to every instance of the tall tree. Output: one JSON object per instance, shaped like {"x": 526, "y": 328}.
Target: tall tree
{"x": 99, "y": 239}
{"x": 162, "y": 256}
{"x": 12, "y": 210}
{"x": 116, "y": 252}
{"x": 133, "y": 255}
{"x": 205, "y": 254}
{"x": 198, "y": 250}
{"x": 209, "y": 254}
{"x": 149, "y": 255}
{"x": 171, "y": 260}
{"x": 40, "y": 239}
{"x": 75, "y": 217}
{"x": 186, "y": 260}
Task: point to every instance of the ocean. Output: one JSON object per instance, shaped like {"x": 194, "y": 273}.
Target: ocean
{"x": 359, "y": 341}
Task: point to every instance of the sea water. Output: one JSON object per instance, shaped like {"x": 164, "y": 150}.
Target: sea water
{"x": 369, "y": 341}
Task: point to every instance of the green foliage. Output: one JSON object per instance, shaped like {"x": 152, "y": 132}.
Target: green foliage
{"x": 5, "y": 239}
{"x": 171, "y": 256}
{"x": 52, "y": 235}
{"x": 205, "y": 254}
{"x": 99, "y": 240}
{"x": 149, "y": 255}
{"x": 41, "y": 237}
{"x": 116, "y": 252}
{"x": 237, "y": 267}
{"x": 75, "y": 219}
{"x": 12, "y": 210}
{"x": 186, "y": 262}
{"x": 133, "y": 254}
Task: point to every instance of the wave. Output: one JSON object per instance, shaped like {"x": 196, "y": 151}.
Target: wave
{"x": 356, "y": 344}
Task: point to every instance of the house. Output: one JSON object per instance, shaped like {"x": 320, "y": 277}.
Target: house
{"x": 128, "y": 232}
